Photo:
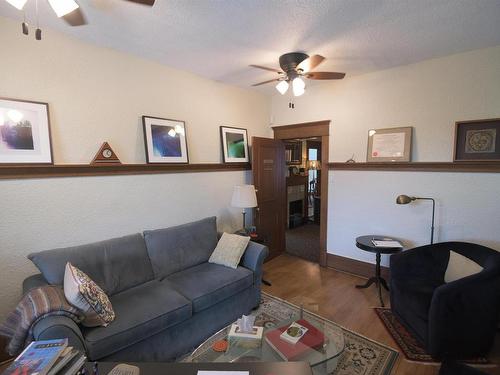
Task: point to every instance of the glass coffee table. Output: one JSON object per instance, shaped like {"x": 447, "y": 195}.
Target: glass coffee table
{"x": 323, "y": 358}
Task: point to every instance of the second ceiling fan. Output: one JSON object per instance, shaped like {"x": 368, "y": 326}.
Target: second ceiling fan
{"x": 296, "y": 66}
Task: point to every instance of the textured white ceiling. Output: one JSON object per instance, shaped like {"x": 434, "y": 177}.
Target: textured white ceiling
{"x": 218, "y": 39}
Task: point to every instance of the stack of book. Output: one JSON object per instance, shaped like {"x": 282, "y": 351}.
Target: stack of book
{"x": 48, "y": 357}
{"x": 293, "y": 342}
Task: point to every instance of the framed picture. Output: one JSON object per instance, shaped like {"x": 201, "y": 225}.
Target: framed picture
{"x": 389, "y": 145}
{"x": 165, "y": 140}
{"x": 477, "y": 140}
{"x": 24, "y": 132}
{"x": 234, "y": 144}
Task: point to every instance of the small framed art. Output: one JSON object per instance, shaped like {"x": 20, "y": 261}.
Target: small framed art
{"x": 165, "y": 140}
{"x": 477, "y": 140}
{"x": 234, "y": 144}
{"x": 24, "y": 132}
{"x": 389, "y": 145}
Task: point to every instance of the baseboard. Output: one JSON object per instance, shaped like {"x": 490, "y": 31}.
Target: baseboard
{"x": 354, "y": 266}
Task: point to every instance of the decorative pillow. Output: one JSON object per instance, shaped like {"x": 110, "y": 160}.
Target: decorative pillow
{"x": 229, "y": 250}
{"x": 86, "y": 295}
{"x": 459, "y": 267}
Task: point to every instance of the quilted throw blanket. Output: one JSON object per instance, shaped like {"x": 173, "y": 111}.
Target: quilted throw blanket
{"x": 37, "y": 304}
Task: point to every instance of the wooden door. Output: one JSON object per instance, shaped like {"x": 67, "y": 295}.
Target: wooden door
{"x": 268, "y": 166}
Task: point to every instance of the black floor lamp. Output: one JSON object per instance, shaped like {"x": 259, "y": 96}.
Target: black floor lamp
{"x": 405, "y": 199}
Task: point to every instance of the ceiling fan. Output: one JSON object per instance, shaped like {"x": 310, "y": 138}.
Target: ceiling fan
{"x": 294, "y": 67}
{"x": 69, "y": 10}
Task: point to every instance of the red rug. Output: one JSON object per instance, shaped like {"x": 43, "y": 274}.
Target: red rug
{"x": 411, "y": 347}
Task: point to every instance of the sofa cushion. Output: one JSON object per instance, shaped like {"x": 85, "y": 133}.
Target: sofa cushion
{"x": 115, "y": 265}
{"x": 174, "y": 249}
{"x": 140, "y": 313}
{"x": 207, "y": 284}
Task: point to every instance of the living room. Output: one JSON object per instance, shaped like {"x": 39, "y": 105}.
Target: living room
{"x": 432, "y": 67}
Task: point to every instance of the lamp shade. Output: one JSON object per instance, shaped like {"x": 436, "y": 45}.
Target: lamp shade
{"x": 404, "y": 199}
{"x": 314, "y": 165}
{"x": 244, "y": 196}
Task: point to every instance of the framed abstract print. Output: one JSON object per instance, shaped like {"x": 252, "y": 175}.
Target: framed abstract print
{"x": 24, "y": 132}
{"x": 165, "y": 140}
{"x": 234, "y": 144}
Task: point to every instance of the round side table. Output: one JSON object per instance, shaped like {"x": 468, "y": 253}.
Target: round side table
{"x": 365, "y": 243}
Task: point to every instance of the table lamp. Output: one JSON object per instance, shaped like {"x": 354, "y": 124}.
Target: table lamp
{"x": 244, "y": 197}
{"x": 405, "y": 199}
{"x": 314, "y": 165}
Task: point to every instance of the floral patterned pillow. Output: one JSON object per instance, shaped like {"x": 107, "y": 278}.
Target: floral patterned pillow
{"x": 86, "y": 295}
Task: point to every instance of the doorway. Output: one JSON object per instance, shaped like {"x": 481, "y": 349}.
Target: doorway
{"x": 311, "y": 236}
{"x": 303, "y": 197}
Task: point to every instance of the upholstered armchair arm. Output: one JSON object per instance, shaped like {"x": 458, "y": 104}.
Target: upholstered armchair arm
{"x": 464, "y": 314}
{"x": 57, "y": 327}
{"x": 253, "y": 259}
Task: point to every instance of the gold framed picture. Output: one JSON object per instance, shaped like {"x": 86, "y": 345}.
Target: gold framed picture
{"x": 389, "y": 145}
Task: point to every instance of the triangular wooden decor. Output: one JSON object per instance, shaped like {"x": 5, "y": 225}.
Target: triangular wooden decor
{"x": 106, "y": 156}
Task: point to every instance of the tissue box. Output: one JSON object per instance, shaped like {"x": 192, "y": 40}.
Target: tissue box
{"x": 245, "y": 340}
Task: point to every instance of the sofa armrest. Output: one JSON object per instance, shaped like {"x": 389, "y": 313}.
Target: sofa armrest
{"x": 464, "y": 315}
{"x": 59, "y": 327}
{"x": 32, "y": 282}
{"x": 253, "y": 259}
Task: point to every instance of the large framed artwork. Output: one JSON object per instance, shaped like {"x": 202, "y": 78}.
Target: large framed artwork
{"x": 165, "y": 140}
{"x": 389, "y": 145}
{"x": 24, "y": 132}
{"x": 234, "y": 144}
{"x": 477, "y": 140}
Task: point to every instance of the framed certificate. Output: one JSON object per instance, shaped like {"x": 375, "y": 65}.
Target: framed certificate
{"x": 389, "y": 145}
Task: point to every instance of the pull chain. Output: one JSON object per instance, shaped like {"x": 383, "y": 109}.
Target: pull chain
{"x": 24, "y": 25}
{"x": 38, "y": 32}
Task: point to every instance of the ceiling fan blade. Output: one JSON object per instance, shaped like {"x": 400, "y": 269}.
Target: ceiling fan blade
{"x": 144, "y": 2}
{"x": 325, "y": 75}
{"x": 266, "y": 68}
{"x": 310, "y": 63}
{"x": 263, "y": 83}
{"x": 75, "y": 18}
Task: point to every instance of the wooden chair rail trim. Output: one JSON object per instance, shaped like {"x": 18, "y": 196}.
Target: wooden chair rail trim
{"x": 469, "y": 166}
{"x": 80, "y": 170}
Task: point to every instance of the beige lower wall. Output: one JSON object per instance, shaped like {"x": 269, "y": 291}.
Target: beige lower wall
{"x": 48, "y": 213}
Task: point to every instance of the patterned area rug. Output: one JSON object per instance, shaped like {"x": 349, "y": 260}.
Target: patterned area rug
{"x": 411, "y": 348}
{"x": 360, "y": 356}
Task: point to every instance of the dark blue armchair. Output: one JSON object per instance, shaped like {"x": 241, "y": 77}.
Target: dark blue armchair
{"x": 452, "y": 320}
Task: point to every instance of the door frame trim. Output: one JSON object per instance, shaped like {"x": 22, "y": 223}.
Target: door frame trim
{"x": 307, "y": 130}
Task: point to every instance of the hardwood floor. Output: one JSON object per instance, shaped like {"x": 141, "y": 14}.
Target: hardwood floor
{"x": 332, "y": 294}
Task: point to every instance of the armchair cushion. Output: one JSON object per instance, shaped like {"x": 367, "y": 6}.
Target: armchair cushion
{"x": 459, "y": 267}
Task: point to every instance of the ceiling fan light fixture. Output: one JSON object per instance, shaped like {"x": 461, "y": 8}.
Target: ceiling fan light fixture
{"x": 282, "y": 87}
{"x": 19, "y": 4}
{"x": 63, "y": 7}
{"x": 298, "y": 86}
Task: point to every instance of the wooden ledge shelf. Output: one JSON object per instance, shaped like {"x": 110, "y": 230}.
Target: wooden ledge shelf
{"x": 462, "y": 166}
{"x": 79, "y": 170}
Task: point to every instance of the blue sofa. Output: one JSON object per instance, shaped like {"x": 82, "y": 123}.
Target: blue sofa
{"x": 166, "y": 296}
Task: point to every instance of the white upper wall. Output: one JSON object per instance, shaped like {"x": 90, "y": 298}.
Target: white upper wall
{"x": 97, "y": 94}
{"x": 430, "y": 96}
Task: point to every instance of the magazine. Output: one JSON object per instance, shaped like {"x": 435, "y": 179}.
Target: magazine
{"x": 37, "y": 358}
